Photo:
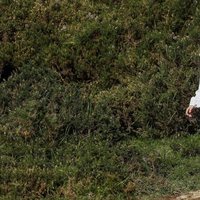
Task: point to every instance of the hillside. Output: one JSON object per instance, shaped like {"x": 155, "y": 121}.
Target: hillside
{"x": 93, "y": 97}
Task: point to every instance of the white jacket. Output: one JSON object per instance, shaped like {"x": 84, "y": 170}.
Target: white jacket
{"x": 195, "y": 101}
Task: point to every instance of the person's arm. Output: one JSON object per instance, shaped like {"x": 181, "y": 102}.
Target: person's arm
{"x": 194, "y": 103}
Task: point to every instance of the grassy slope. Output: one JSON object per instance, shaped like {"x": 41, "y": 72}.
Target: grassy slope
{"x": 78, "y": 119}
{"x": 89, "y": 167}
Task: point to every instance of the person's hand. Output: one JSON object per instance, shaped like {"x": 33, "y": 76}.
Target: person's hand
{"x": 190, "y": 111}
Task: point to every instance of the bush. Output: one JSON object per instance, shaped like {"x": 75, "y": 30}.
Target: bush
{"x": 101, "y": 67}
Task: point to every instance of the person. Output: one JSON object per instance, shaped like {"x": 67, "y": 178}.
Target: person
{"x": 194, "y": 104}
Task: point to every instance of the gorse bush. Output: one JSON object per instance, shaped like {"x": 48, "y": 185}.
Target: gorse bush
{"x": 112, "y": 67}
{"x": 89, "y": 40}
{"x": 42, "y": 106}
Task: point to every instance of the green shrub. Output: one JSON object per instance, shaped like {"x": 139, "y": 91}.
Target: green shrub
{"x": 129, "y": 66}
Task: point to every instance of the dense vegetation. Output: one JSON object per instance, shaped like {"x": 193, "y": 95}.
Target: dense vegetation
{"x": 93, "y": 96}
